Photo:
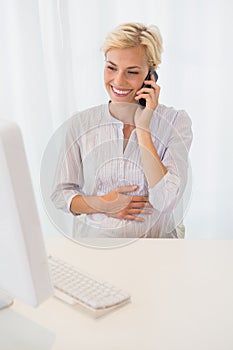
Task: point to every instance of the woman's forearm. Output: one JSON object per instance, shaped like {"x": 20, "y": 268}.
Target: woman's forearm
{"x": 152, "y": 165}
{"x": 87, "y": 205}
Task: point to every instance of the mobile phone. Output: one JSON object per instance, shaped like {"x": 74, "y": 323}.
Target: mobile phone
{"x": 142, "y": 101}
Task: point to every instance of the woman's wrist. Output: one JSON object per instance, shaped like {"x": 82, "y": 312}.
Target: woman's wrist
{"x": 142, "y": 119}
{"x": 87, "y": 205}
{"x": 144, "y": 137}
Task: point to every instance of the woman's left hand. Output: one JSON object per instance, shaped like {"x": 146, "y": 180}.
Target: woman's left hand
{"x": 143, "y": 116}
{"x": 151, "y": 95}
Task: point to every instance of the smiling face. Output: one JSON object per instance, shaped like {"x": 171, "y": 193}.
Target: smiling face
{"x": 125, "y": 72}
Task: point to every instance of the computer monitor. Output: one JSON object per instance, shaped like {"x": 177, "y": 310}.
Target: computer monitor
{"x": 24, "y": 271}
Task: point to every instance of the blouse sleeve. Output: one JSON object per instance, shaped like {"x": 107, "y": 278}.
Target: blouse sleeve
{"x": 68, "y": 180}
{"x": 165, "y": 195}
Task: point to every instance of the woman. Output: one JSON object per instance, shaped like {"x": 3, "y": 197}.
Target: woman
{"x": 124, "y": 167}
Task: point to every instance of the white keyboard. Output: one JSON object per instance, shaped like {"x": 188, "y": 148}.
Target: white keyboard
{"x": 76, "y": 287}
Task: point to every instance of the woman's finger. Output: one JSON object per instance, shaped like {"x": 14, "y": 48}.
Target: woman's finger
{"x": 140, "y": 205}
{"x": 140, "y": 199}
{"x": 140, "y": 211}
{"x": 124, "y": 189}
{"x": 133, "y": 218}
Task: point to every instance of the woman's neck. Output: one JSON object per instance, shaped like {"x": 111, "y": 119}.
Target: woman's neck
{"x": 123, "y": 111}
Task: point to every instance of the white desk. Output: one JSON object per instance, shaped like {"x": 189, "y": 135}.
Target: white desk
{"x": 182, "y": 298}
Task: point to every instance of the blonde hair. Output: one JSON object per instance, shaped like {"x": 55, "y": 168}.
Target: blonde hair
{"x": 133, "y": 34}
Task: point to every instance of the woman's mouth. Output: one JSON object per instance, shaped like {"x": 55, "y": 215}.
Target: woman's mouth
{"x": 120, "y": 92}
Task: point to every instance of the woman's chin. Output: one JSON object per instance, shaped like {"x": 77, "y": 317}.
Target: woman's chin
{"x": 122, "y": 99}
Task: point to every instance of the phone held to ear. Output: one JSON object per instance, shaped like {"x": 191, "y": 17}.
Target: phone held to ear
{"x": 142, "y": 101}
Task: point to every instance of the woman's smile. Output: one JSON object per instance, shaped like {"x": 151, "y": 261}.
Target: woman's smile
{"x": 119, "y": 92}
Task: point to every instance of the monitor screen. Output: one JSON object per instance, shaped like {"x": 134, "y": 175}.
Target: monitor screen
{"x": 24, "y": 271}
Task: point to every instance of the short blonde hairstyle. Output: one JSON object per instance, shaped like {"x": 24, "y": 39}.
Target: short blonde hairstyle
{"x": 133, "y": 34}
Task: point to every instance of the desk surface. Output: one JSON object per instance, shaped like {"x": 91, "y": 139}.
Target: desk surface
{"x": 182, "y": 297}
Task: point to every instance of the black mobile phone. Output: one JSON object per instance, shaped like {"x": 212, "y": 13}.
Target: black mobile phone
{"x": 142, "y": 101}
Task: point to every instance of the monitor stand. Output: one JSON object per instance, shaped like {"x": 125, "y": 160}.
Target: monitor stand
{"x": 5, "y": 300}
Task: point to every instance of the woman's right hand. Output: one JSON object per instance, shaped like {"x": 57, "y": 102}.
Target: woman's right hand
{"x": 121, "y": 205}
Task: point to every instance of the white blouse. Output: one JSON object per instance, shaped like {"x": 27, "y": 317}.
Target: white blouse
{"x": 93, "y": 162}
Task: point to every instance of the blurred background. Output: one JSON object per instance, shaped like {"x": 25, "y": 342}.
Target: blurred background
{"x": 51, "y": 66}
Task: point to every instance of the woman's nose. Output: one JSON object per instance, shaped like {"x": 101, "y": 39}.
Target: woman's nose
{"x": 119, "y": 79}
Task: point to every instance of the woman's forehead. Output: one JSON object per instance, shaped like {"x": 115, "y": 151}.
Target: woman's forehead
{"x": 132, "y": 56}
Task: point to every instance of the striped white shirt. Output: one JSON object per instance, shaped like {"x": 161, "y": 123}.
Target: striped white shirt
{"x": 93, "y": 162}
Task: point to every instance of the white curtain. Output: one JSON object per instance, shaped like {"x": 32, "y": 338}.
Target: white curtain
{"x": 51, "y": 66}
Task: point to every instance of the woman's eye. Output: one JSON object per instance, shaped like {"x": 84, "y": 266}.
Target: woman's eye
{"x": 111, "y": 68}
{"x": 133, "y": 72}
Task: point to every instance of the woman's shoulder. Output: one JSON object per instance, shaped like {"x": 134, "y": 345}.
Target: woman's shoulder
{"x": 89, "y": 117}
{"x": 82, "y": 121}
{"x": 89, "y": 113}
{"x": 169, "y": 111}
{"x": 171, "y": 115}
{"x": 168, "y": 122}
